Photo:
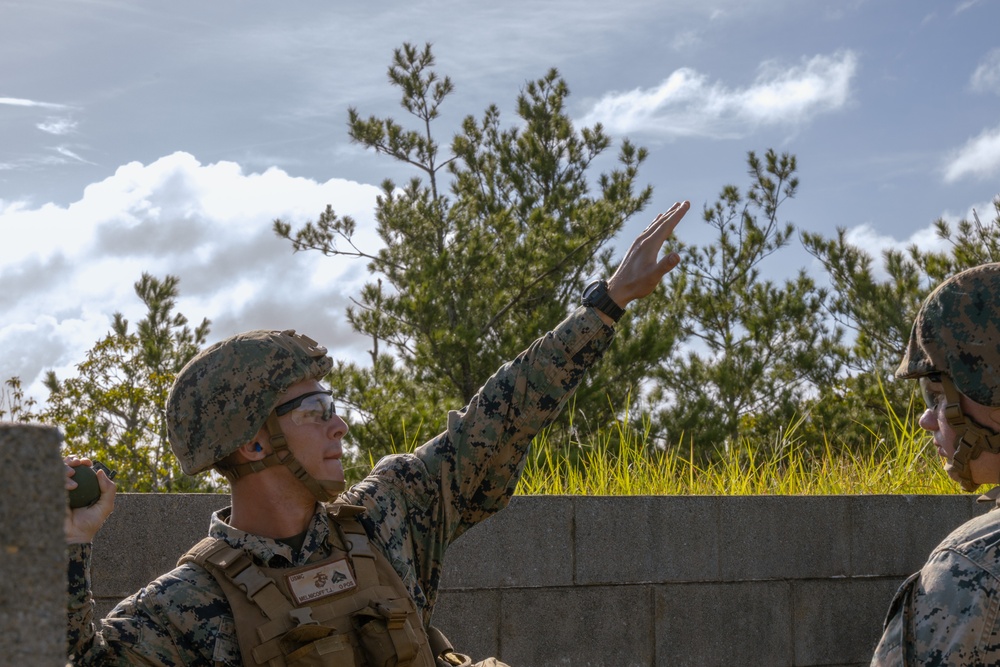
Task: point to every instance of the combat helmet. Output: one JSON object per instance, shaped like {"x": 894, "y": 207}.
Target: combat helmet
{"x": 956, "y": 335}
{"x": 228, "y": 391}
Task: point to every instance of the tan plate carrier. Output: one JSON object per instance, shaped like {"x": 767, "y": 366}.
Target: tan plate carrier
{"x": 373, "y": 624}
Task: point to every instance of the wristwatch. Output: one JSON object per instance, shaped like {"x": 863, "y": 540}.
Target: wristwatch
{"x": 596, "y": 295}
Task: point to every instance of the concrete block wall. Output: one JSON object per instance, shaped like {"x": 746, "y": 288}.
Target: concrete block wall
{"x": 32, "y": 547}
{"x": 631, "y": 581}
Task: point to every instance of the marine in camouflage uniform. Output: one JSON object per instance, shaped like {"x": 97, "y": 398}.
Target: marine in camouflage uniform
{"x": 948, "y": 613}
{"x": 415, "y": 505}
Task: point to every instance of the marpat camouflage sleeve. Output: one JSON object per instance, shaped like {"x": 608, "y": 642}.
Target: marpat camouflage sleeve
{"x": 182, "y": 618}
{"x": 947, "y": 613}
{"x": 419, "y": 503}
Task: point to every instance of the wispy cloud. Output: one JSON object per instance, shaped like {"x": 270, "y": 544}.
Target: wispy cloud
{"x": 688, "y": 104}
{"x": 978, "y": 158}
{"x": 65, "y": 151}
{"x": 57, "y": 126}
{"x": 967, "y": 4}
{"x": 986, "y": 78}
{"x": 18, "y": 102}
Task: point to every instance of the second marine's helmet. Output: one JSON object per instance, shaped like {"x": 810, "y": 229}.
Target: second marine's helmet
{"x": 956, "y": 339}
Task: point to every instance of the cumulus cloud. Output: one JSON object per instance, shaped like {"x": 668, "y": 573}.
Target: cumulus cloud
{"x": 978, "y": 158}
{"x": 687, "y": 103}
{"x": 986, "y": 78}
{"x": 926, "y": 238}
{"x": 65, "y": 270}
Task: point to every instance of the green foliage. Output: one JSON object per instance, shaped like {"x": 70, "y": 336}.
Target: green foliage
{"x": 14, "y": 406}
{"x": 753, "y": 348}
{"x": 467, "y": 277}
{"x": 113, "y": 410}
{"x": 881, "y": 312}
{"x": 490, "y": 243}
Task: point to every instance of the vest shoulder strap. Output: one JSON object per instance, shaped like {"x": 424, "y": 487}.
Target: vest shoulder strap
{"x": 204, "y": 550}
{"x": 235, "y": 566}
{"x": 339, "y": 508}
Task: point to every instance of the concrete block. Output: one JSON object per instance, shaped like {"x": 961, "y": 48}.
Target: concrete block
{"x": 646, "y": 539}
{"x": 471, "y": 620}
{"x": 893, "y": 535}
{"x": 144, "y": 537}
{"x": 592, "y": 626}
{"x": 528, "y": 544}
{"x": 826, "y": 612}
{"x": 32, "y": 546}
{"x": 724, "y": 624}
{"x": 783, "y": 537}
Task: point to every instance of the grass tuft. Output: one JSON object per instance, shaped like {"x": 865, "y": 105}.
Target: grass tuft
{"x": 620, "y": 461}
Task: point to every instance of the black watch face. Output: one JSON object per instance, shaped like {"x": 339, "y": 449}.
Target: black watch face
{"x": 591, "y": 288}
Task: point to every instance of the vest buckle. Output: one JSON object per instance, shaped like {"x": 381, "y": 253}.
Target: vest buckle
{"x": 302, "y": 616}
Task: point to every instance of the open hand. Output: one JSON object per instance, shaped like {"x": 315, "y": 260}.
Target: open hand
{"x": 642, "y": 269}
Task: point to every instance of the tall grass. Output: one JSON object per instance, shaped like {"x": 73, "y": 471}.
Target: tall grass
{"x": 620, "y": 461}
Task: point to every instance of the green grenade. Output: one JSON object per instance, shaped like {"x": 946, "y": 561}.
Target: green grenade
{"x": 87, "y": 489}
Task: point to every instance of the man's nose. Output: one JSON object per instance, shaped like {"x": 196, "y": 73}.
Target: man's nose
{"x": 928, "y": 421}
{"x": 337, "y": 427}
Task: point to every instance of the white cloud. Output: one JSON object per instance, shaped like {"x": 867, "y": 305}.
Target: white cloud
{"x": 685, "y": 40}
{"x": 966, "y": 4}
{"x": 875, "y": 243}
{"x": 65, "y": 151}
{"x": 688, "y": 104}
{"x": 978, "y": 158}
{"x": 57, "y": 126}
{"x": 986, "y": 78}
{"x": 19, "y": 102}
{"x": 65, "y": 270}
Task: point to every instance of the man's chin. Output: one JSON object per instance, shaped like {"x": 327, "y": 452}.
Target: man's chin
{"x": 334, "y": 471}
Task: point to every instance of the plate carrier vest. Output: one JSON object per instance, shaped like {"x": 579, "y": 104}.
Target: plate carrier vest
{"x": 373, "y": 623}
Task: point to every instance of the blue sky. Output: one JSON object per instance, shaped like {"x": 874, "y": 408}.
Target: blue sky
{"x": 166, "y": 138}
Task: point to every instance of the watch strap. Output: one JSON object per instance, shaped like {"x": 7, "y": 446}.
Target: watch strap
{"x": 596, "y": 296}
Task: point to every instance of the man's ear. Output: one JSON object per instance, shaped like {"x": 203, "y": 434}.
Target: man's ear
{"x": 258, "y": 448}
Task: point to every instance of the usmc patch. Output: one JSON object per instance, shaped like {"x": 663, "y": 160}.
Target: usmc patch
{"x": 321, "y": 581}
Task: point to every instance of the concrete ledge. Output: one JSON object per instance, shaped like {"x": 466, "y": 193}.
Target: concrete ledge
{"x": 144, "y": 537}
{"x": 643, "y": 539}
{"x": 852, "y": 638}
{"x": 631, "y": 581}
{"x": 32, "y": 547}
{"x": 744, "y": 623}
{"x": 591, "y": 625}
{"x": 500, "y": 553}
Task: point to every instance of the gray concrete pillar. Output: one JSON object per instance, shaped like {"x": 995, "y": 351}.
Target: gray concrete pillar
{"x": 32, "y": 547}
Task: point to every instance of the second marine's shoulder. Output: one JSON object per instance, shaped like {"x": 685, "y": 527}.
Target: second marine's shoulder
{"x": 978, "y": 540}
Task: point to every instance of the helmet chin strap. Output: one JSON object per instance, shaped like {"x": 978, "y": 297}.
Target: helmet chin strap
{"x": 971, "y": 439}
{"x": 323, "y": 491}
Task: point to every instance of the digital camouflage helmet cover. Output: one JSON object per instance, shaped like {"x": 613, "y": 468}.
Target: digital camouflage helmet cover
{"x": 222, "y": 397}
{"x": 956, "y": 335}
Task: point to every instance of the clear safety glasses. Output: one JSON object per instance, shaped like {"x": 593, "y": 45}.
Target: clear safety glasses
{"x": 931, "y": 390}
{"x": 314, "y": 407}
